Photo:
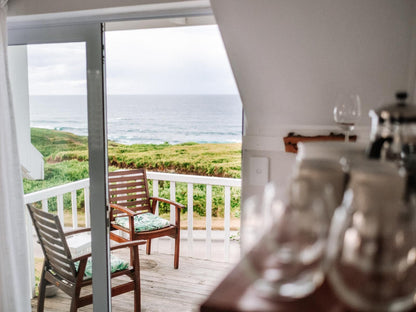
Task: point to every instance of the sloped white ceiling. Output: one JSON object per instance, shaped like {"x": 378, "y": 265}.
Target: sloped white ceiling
{"x": 28, "y": 7}
{"x": 290, "y": 58}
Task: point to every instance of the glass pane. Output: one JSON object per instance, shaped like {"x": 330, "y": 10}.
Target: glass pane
{"x": 50, "y": 98}
{"x": 171, "y": 85}
{"x": 173, "y": 107}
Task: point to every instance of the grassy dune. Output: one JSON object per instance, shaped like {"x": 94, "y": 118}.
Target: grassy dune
{"x": 220, "y": 160}
{"x": 66, "y": 160}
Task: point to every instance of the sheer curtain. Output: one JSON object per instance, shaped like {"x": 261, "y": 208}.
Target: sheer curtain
{"x": 14, "y": 272}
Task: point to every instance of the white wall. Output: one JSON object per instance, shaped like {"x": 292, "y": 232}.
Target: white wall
{"x": 30, "y": 158}
{"x": 291, "y": 58}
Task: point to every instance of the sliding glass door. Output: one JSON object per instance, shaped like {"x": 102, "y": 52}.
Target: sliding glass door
{"x": 57, "y": 77}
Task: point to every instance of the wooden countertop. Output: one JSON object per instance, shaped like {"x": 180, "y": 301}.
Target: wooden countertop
{"x": 237, "y": 294}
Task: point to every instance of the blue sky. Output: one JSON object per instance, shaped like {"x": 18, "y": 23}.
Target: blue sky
{"x": 179, "y": 60}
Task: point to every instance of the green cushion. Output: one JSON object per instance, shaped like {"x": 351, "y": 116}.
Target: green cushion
{"x": 116, "y": 265}
{"x": 144, "y": 222}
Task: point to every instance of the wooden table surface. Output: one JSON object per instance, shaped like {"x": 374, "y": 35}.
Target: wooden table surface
{"x": 236, "y": 294}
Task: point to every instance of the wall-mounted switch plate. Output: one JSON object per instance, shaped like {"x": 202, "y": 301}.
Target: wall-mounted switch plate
{"x": 259, "y": 170}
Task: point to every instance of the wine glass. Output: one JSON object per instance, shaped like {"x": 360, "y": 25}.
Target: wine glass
{"x": 347, "y": 111}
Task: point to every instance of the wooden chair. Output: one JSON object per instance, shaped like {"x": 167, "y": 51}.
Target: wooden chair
{"x": 67, "y": 273}
{"x": 130, "y": 203}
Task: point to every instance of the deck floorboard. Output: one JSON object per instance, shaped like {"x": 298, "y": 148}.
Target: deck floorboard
{"x": 162, "y": 287}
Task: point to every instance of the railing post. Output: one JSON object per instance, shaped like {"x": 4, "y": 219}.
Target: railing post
{"x": 172, "y": 197}
{"x": 156, "y": 194}
{"x": 45, "y": 205}
{"x": 190, "y": 219}
{"x": 172, "y": 209}
{"x": 74, "y": 209}
{"x": 227, "y": 212}
{"x": 60, "y": 203}
{"x": 208, "y": 220}
{"x": 87, "y": 206}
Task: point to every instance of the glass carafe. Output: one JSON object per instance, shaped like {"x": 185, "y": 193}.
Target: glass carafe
{"x": 393, "y": 130}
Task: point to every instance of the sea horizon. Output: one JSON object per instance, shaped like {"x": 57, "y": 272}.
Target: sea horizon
{"x": 146, "y": 118}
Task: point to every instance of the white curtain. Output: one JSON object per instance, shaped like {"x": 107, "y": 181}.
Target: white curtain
{"x": 14, "y": 271}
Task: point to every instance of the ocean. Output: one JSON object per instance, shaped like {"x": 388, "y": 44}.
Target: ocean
{"x": 146, "y": 119}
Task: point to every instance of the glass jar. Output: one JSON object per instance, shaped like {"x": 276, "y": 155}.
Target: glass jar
{"x": 324, "y": 176}
{"x": 372, "y": 242}
{"x": 288, "y": 263}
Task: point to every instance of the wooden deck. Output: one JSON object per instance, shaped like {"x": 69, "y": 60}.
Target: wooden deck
{"x": 162, "y": 287}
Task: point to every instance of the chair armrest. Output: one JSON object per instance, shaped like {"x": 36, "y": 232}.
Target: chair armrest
{"x": 114, "y": 247}
{"x": 128, "y": 244}
{"x": 167, "y": 201}
{"x": 81, "y": 257}
{"x": 124, "y": 209}
{"x": 76, "y": 231}
{"x": 171, "y": 202}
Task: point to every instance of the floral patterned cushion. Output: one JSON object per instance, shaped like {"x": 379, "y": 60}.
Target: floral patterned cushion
{"x": 144, "y": 222}
{"x": 116, "y": 265}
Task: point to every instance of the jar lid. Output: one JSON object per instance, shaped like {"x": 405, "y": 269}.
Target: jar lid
{"x": 329, "y": 150}
{"x": 399, "y": 112}
{"x": 369, "y": 169}
{"x": 380, "y": 180}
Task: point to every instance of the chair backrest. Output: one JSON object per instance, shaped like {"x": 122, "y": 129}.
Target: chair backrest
{"x": 53, "y": 243}
{"x": 129, "y": 188}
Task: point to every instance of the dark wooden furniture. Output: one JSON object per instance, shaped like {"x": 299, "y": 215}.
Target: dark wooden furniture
{"x": 129, "y": 196}
{"x": 60, "y": 268}
{"x": 237, "y": 294}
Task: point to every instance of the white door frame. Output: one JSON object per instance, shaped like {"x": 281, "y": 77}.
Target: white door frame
{"x": 92, "y": 35}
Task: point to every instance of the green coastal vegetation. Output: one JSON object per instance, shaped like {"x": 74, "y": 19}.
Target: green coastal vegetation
{"x": 66, "y": 160}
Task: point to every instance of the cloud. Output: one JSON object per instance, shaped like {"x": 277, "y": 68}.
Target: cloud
{"x": 57, "y": 68}
{"x": 179, "y": 60}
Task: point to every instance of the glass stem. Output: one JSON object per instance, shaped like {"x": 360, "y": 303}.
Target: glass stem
{"x": 347, "y": 136}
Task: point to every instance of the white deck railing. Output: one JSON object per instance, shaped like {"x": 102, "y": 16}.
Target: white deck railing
{"x": 72, "y": 188}
{"x": 58, "y": 192}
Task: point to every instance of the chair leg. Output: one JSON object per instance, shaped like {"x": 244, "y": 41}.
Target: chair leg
{"x": 176, "y": 256}
{"x": 148, "y": 246}
{"x": 42, "y": 290}
{"x": 137, "y": 291}
{"x": 73, "y": 305}
{"x": 75, "y": 297}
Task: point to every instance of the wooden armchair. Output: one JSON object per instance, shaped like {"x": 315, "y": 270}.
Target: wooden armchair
{"x": 69, "y": 274}
{"x": 133, "y": 211}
